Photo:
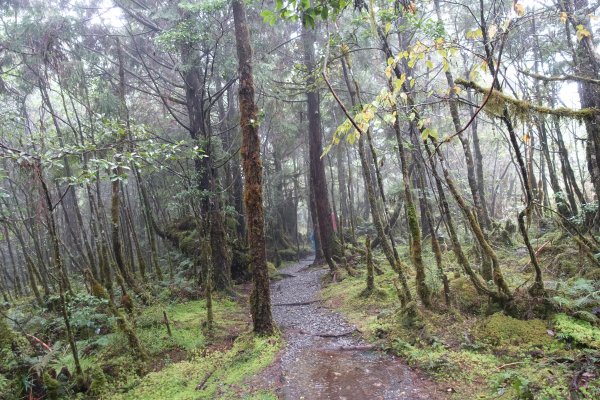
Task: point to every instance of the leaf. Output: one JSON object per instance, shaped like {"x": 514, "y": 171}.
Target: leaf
{"x": 474, "y": 34}
{"x": 388, "y": 71}
{"x": 388, "y": 27}
{"x": 582, "y": 32}
{"x": 492, "y": 30}
{"x": 426, "y": 133}
{"x": 268, "y": 17}
{"x": 519, "y": 9}
{"x": 563, "y": 17}
{"x": 351, "y": 137}
{"x": 429, "y": 64}
{"x": 325, "y": 13}
{"x": 308, "y": 20}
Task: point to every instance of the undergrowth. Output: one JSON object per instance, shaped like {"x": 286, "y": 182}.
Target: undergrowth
{"x": 189, "y": 364}
{"x": 473, "y": 349}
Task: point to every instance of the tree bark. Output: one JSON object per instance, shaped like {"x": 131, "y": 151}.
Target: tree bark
{"x": 260, "y": 297}
{"x": 319, "y": 182}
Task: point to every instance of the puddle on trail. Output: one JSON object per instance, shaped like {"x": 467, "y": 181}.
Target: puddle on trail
{"x": 315, "y": 367}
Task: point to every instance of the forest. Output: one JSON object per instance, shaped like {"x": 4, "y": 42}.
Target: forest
{"x": 299, "y": 199}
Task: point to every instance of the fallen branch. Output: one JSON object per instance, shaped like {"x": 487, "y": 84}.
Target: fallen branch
{"x": 283, "y": 275}
{"x": 537, "y": 253}
{"x": 510, "y": 364}
{"x": 201, "y": 385}
{"x": 38, "y": 341}
{"x": 365, "y": 347}
{"x": 304, "y": 303}
{"x": 335, "y": 335}
{"x": 330, "y": 335}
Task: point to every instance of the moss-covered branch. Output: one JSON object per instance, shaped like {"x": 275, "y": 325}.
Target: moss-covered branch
{"x": 522, "y": 107}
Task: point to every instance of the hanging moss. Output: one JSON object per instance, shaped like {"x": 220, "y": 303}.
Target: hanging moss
{"x": 522, "y": 108}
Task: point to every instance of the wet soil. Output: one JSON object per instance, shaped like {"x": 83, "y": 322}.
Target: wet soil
{"x": 324, "y": 357}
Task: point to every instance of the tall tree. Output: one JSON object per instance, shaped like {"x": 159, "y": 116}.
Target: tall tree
{"x": 260, "y": 299}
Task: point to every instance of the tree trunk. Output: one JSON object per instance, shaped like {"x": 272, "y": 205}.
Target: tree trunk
{"x": 319, "y": 182}
{"x": 260, "y": 297}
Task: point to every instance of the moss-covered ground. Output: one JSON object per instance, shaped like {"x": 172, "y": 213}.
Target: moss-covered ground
{"x": 475, "y": 349}
{"x": 189, "y": 364}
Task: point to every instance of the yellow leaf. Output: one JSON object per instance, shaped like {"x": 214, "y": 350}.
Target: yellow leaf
{"x": 351, "y": 137}
{"x": 429, "y": 64}
{"x": 388, "y": 72}
{"x": 582, "y": 32}
{"x": 519, "y": 9}
{"x": 484, "y": 66}
{"x": 563, "y": 17}
{"x": 492, "y": 30}
{"x": 474, "y": 34}
{"x": 457, "y": 89}
{"x": 411, "y": 8}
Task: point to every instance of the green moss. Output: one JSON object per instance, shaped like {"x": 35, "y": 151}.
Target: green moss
{"x": 6, "y": 335}
{"x": 98, "y": 384}
{"x": 529, "y": 381}
{"x": 4, "y": 384}
{"x": 465, "y": 296}
{"x": 220, "y": 374}
{"x": 446, "y": 363}
{"x": 52, "y": 386}
{"x": 186, "y": 319}
{"x": 580, "y": 332}
{"x": 502, "y": 330}
{"x": 273, "y": 272}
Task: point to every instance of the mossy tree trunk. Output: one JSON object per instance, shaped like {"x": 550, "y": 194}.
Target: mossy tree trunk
{"x": 374, "y": 206}
{"x": 411, "y": 211}
{"x": 260, "y": 299}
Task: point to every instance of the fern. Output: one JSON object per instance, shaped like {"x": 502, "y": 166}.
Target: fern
{"x": 578, "y": 297}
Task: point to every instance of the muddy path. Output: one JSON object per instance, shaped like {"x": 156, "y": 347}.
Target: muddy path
{"x": 324, "y": 358}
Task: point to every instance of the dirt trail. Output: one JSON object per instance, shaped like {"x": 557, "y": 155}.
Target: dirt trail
{"x": 316, "y": 362}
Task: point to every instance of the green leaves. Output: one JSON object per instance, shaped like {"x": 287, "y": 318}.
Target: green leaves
{"x": 427, "y": 132}
{"x": 269, "y": 17}
{"x": 293, "y": 10}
